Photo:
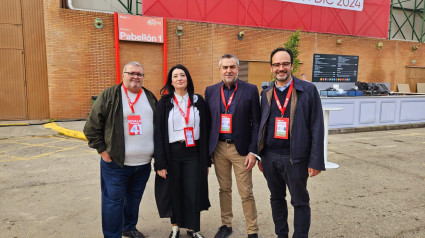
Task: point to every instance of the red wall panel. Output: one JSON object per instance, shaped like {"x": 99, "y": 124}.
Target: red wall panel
{"x": 372, "y": 21}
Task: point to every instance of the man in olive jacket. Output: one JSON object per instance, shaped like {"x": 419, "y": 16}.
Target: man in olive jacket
{"x": 120, "y": 128}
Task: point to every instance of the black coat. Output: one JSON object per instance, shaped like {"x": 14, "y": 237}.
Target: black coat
{"x": 162, "y": 155}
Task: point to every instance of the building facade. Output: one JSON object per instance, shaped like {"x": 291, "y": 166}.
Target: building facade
{"x": 63, "y": 60}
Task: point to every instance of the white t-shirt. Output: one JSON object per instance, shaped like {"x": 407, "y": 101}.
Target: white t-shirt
{"x": 138, "y": 148}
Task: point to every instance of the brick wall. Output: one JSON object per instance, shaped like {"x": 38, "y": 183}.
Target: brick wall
{"x": 202, "y": 44}
{"x": 81, "y": 58}
{"x": 150, "y": 56}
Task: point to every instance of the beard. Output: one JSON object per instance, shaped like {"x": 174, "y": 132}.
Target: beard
{"x": 282, "y": 78}
{"x": 226, "y": 79}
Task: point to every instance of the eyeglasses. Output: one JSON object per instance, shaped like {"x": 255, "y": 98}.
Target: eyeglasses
{"x": 132, "y": 74}
{"x": 284, "y": 64}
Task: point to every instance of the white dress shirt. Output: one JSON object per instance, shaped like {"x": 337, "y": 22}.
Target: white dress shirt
{"x": 176, "y": 122}
{"x": 283, "y": 87}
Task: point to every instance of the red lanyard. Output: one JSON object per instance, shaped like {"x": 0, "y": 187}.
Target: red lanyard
{"x": 131, "y": 104}
{"x": 282, "y": 110}
{"x": 185, "y": 116}
{"x": 230, "y": 99}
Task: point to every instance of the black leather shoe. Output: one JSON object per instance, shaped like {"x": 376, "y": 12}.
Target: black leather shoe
{"x": 190, "y": 233}
{"x": 133, "y": 234}
{"x": 174, "y": 234}
{"x": 253, "y": 235}
{"x": 223, "y": 232}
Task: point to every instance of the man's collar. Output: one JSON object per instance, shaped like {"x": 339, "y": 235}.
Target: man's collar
{"x": 232, "y": 86}
{"x": 285, "y": 86}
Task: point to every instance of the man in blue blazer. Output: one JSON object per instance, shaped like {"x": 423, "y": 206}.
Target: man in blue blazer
{"x": 235, "y": 117}
{"x": 290, "y": 141}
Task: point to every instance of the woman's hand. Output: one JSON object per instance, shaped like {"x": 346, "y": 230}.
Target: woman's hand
{"x": 162, "y": 173}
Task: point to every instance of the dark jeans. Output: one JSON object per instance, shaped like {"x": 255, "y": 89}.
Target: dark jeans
{"x": 122, "y": 191}
{"x": 184, "y": 192}
{"x": 279, "y": 173}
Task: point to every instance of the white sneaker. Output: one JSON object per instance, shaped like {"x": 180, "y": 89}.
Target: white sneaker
{"x": 175, "y": 233}
{"x": 198, "y": 235}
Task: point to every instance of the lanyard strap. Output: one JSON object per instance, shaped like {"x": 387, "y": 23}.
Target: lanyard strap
{"x": 185, "y": 116}
{"x": 131, "y": 104}
{"x": 282, "y": 109}
{"x": 230, "y": 99}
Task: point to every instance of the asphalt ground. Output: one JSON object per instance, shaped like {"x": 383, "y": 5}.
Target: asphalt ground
{"x": 50, "y": 187}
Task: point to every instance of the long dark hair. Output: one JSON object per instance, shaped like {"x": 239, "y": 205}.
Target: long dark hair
{"x": 168, "y": 89}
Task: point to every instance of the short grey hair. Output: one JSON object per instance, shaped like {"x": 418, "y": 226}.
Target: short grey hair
{"x": 228, "y": 56}
{"x": 134, "y": 63}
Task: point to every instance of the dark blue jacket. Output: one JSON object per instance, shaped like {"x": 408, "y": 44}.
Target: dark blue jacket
{"x": 305, "y": 124}
{"x": 245, "y": 119}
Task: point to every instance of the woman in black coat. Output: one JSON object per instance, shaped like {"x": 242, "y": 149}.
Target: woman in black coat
{"x": 181, "y": 153}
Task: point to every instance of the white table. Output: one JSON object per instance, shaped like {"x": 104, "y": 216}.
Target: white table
{"x": 328, "y": 165}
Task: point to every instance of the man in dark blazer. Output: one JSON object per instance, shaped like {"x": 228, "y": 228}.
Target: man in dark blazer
{"x": 235, "y": 117}
{"x": 290, "y": 141}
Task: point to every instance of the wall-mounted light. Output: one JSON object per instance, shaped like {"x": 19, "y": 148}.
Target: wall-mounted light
{"x": 241, "y": 35}
{"x": 413, "y": 61}
{"x": 339, "y": 42}
{"x": 179, "y": 30}
{"x": 379, "y": 45}
{"x": 415, "y": 48}
{"x": 98, "y": 23}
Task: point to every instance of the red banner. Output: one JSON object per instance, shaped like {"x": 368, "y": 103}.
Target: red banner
{"x": 365, "y": 18}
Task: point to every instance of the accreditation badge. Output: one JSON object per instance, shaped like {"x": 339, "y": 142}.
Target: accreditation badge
{"x": 189, "y": 137}
{"x": 281, "y": 128}
{"x": 226, "y": 123}
{"x": 134, "y": 125}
